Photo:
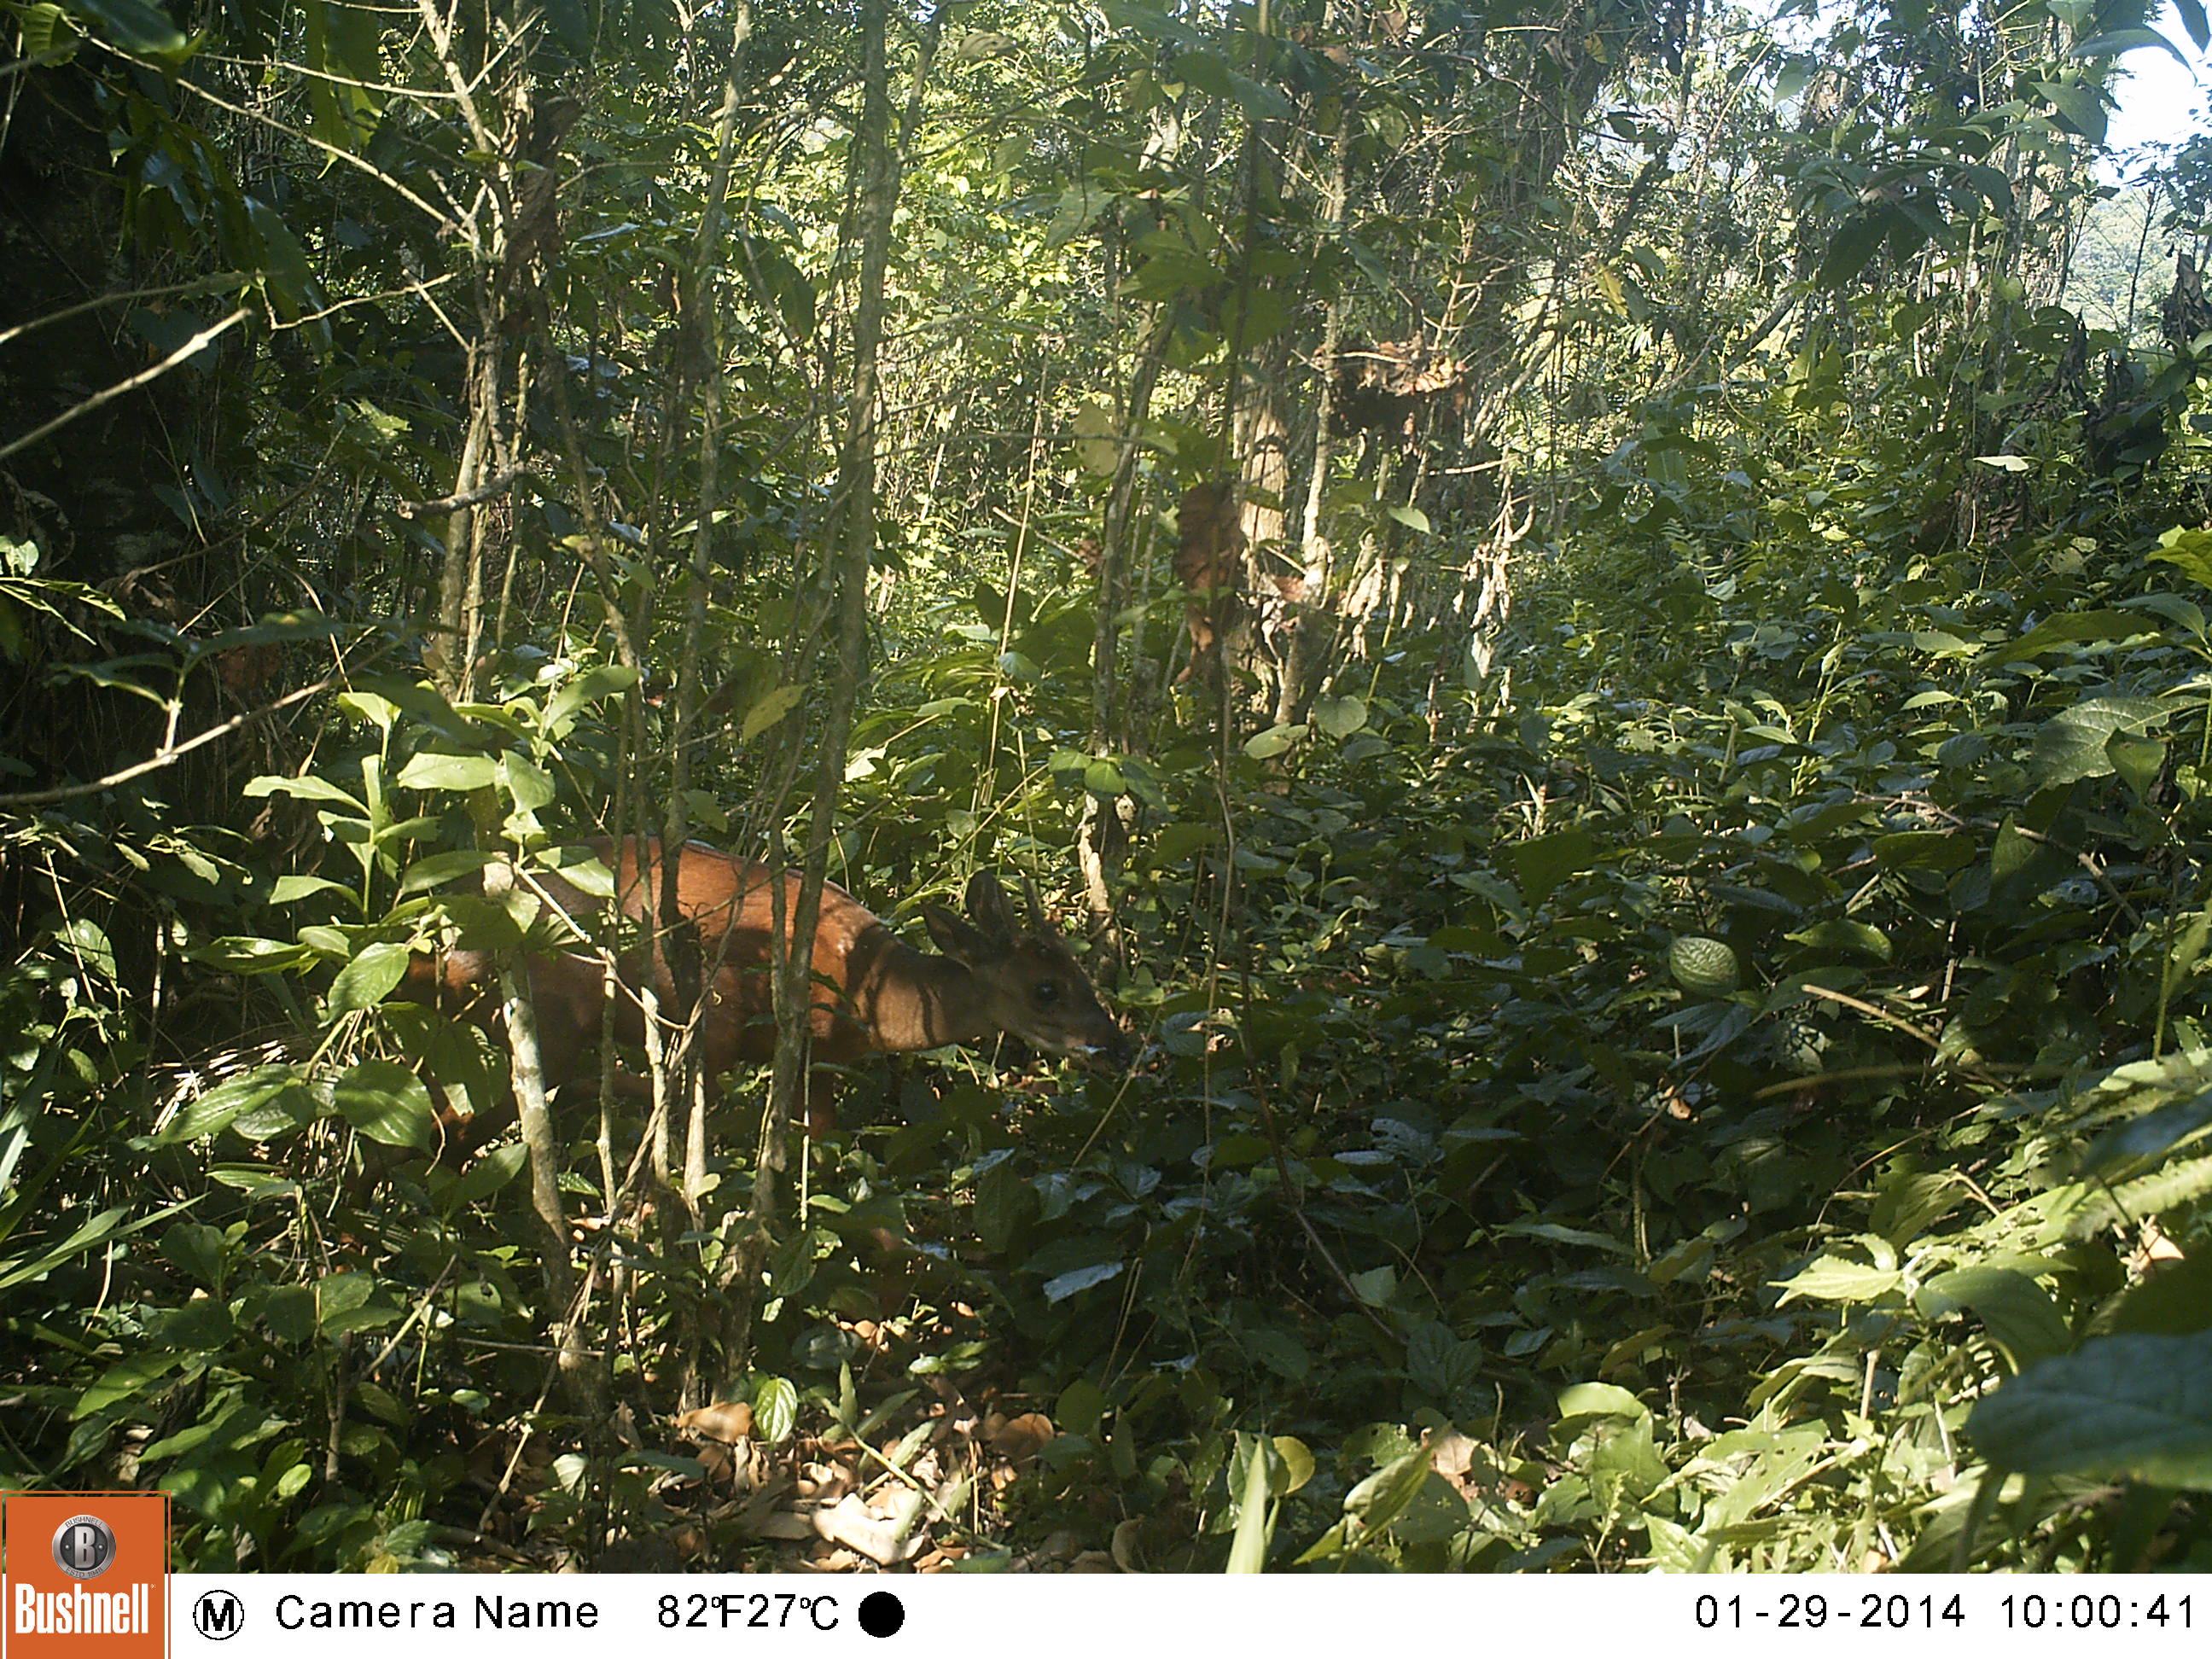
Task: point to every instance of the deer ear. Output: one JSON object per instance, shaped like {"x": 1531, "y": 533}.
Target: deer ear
{"x": 986, "y": 902}
{"x": 954, "y": 937}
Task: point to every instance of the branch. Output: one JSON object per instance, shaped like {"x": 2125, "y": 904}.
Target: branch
{"x": 167, "y": 755}
{"x": 190, "y": 349}
{"x": 484, "y": 492}
{"x": 198, "y": 285}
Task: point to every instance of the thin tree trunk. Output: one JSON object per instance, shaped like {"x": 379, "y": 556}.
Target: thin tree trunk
{"x": 879, "y": 162}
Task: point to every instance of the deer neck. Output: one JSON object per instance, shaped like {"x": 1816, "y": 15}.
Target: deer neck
{"x": 908, "y": 999}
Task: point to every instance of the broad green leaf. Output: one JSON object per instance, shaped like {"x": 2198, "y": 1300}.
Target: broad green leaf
{"x": 388, "y": 1103}
{"x": 289, "y": 888}
{"x": 1540, "y": 865}
{"x": 1385, "y": 1496}
{"x": 1275, "y": 740}
{"x": 1339, "y": 716}
{"x": 2074, "y": 628}
{"x": 529, "y": 785}
{"x": 1601, "y": 1399}
{"x": 1061, "y": 1287}
{"x": 2073, "y": 745}
{"x": 1925, "y": 849}
{"x": 135, "y": 26}
{"x": 776, "y": 1410}
{"x": 593, "y": 685}
{"x": 2130, "y": 1407}
{"x": 1854, "y": 937}
{"x": 432, "y": 770}
{"x": 215, "y": 1110}
{"x": 1832, "y": 1278}
{"x": 2080, "y": 106}
{"x": 370, "y": 978}
{"x": 770, "y": 709}
{"x": 439, "y": 868}
{"x": 2188, "y": 550}
{"x": 2112, "y": 44}
{"x": 305, "y": 788}
{"x": 489, "y": 1172}
{"x": 2141, "y": 761}
{"x": 2016, "y": 1311}
{"x": 128, "y": 1379}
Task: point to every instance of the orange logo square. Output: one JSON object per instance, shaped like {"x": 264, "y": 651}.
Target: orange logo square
{"x": 84, "y": 1575}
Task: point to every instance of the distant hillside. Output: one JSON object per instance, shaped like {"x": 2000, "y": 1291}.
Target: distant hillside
{"x": 2120, "y": 274}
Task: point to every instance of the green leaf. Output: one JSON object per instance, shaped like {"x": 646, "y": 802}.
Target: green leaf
{"x": 1385, "y": 1495}
{"x": 432, "y": 770}
{"x": 1062, "y": 1286}
{"x": 2191, "y": 13}
{"x": 1925, "y": 849}
{"x": 2189, "y": 550}
{"x": 306, "y": 788}
{"x": 1339, "y": 716}
{"x": 775, "y": 1409}
{"x": 370, "y": 978}
{"x": 2141, "y": 761}
{"x": 127, "y": 1379}
{"x": 134, "y": 26}
{"x": 489, "y": 1172}
{"x": 215, "y": 1110}
{"x": 768, "y": 710}
{"x": 2117, "y": 41}
{"x": 2073, "y": 745}
{"x": 2016, "y": 1311}
{"x": 46, "y": 26}
{"x": 2079, "y": 107}
{"x": 2074, "y": 628}
{"x": 1832, "y": 1278}
{"x": 439, "y": 868}
{"x": 591, "y": 686}
{"x": 1248, "y": 1547}
{"x": 1853, "y": 246}
{"x": 286, "y": 276}
{"x": 251, "y": 955}
{"x": 1541, "y": 864}
{"x": 388, "y": 1103}
{"x": 1275, "y": 740}
{"x": 289, "y": 888}
{"x": 528, "y": 784}
{"x": 107, "y": 1225}
{"x": 1855, "y": 938}
{"x": 2131, "y": 1407}
{"x": 1601, "y": 1399}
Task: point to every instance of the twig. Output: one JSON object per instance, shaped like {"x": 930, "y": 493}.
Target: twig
{"x": 168, "y": 755}
{"x": 168, "y": 291}
{"x": 190, "y": 349}
{"x": 497, "y": 485}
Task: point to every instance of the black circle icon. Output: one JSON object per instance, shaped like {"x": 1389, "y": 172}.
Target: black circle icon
{"x": 218, "y": 1615}
{"x": 882, "y": 1614}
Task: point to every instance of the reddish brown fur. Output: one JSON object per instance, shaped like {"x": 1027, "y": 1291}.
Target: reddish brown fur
{"x": 873, "y": 994}
{"x": 1210, "y": 563}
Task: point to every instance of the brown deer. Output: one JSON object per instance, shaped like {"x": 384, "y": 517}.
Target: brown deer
{"x": 873, "y": 994}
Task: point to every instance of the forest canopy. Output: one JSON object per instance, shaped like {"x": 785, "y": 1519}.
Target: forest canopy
{"x": 1584, "y": 617}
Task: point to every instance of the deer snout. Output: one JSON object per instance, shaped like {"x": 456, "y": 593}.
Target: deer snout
{"x": 1114, "y": 1048}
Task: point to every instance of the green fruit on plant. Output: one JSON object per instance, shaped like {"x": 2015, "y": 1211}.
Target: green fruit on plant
{"x": 1704, "y": 967}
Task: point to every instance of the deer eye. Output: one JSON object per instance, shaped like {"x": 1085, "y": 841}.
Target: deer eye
{"x": 1045, "y": 991}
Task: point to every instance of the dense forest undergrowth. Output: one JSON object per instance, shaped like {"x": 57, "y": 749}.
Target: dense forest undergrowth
{"x": 1617, "y": 695}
